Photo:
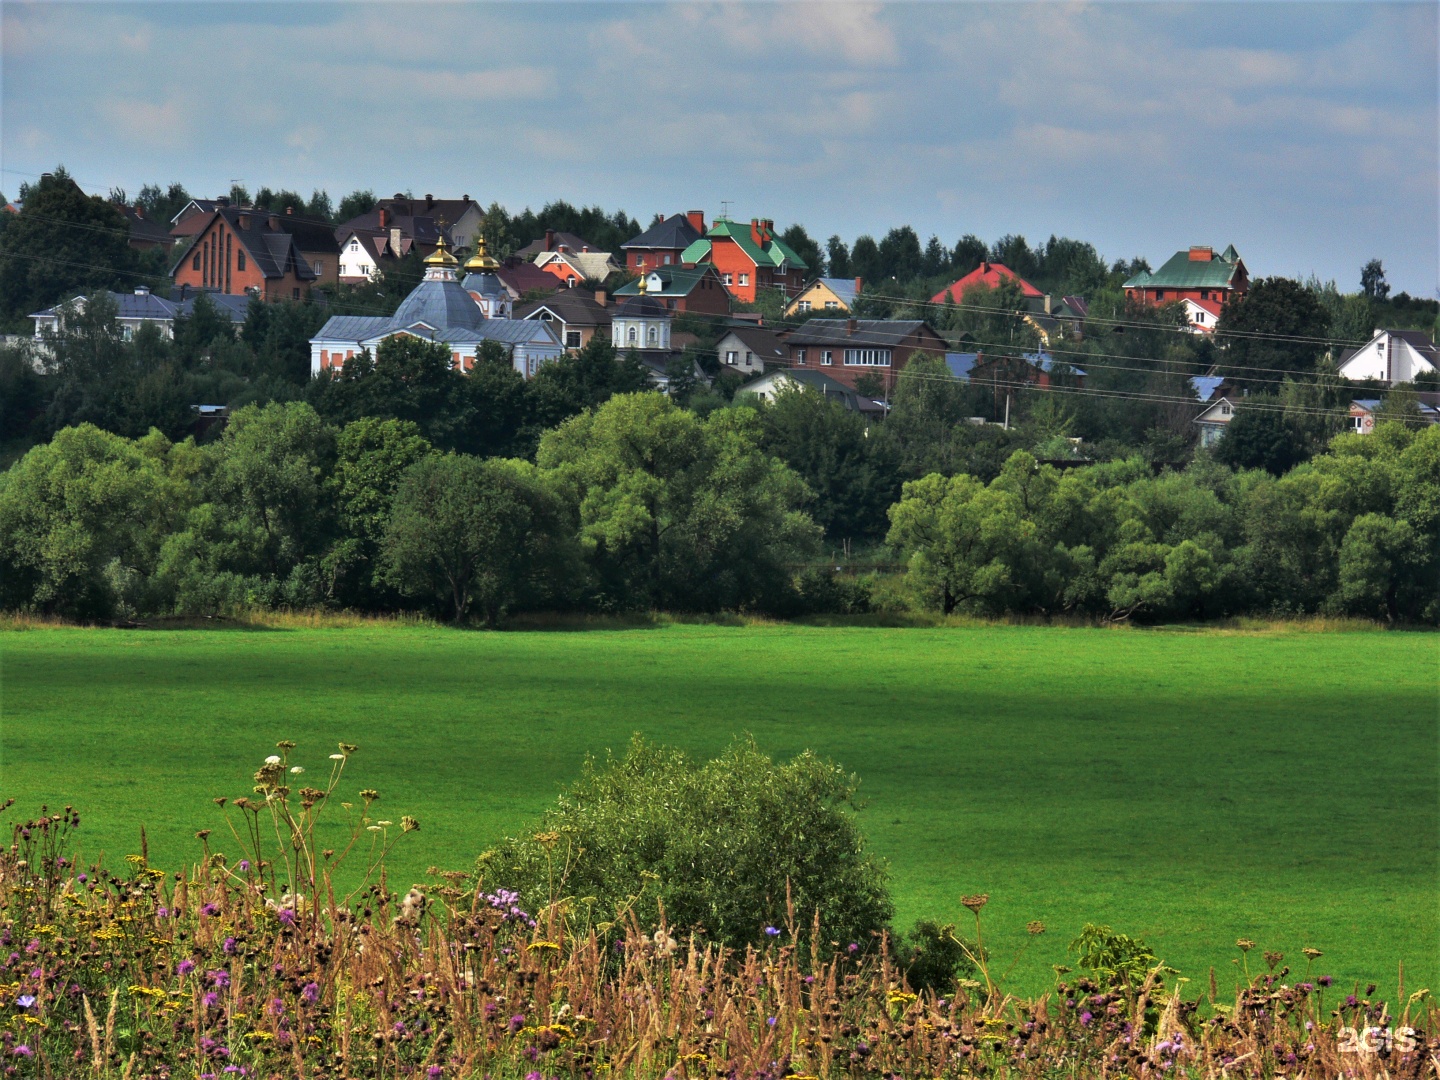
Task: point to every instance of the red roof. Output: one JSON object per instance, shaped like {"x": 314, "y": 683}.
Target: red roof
{"x": 1212, "y": 306}
{"x": 988, "y": 273}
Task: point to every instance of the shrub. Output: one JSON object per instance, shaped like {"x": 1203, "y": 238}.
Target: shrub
{"x": 934, "y": 958}
{"x": 735, "y": 848}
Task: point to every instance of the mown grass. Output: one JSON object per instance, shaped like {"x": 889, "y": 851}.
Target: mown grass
{"x": 1190, "y": 787}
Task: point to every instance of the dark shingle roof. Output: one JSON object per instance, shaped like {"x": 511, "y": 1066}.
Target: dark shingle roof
{"x": 561, "y": 239}
{"x": 674, "y": 280}
{"x": 642, "y": 307}
{"x": 867, "y": 332}
{"x": 674, "y": 232}
{"x": 763, "y": 343}
{"x": 570, "y": 306}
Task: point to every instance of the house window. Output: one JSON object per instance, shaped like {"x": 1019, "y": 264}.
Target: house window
{"x": 831, "y": 305}
{"x": 744, "y": 279}
{"x": 799, "y": 356}
{"x": 354, "y": 245}
{"x": 319, "y": 268}
{"x": 728, "y": 280}
{"x": 749, "y": 358}
{"x": 654, "y": 335}
{"x": 1159, "y": 294}
{"x": 295, "y": 293}
{"x": 1357, "y": 424}
{"x": 344, "y": 270}
{"x": 666, "y": 260}
{"x": 867, "y": 357}
{"x": 1224, "y": 410}
{"x": 195, "y": 262}
{"x": 631, "y": 336}
{"x": 1204, "y": 294}
{"x": 128, "y": 332}
{"x": 804, "y": 305}
{"x": 827, "y": 358}
{"x": 730, "y": 357}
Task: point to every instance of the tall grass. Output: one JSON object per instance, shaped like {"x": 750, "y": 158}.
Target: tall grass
{"x": 253, "y": 962}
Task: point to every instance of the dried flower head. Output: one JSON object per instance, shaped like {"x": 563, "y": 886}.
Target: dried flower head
{"x": 1313, "y": 954}
{"x": 409, "y": 824}
{"x": 1273, "y": 959}
{"x": 285, "y": 744}
{"x": 1035, "y": 928}
{"x": 1244, "y": 944}
{"x": 976, "y": 902}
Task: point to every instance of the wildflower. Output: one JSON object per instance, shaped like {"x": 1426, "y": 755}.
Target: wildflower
{"x": 1035, "y": 928}
{"x": 337, "y": 757}
{"x": 273, "y": 759}
{"x": 1244, "y": 944}
{"x": 229, "y": 946}
{"x": 517, "y": 1022}
{"x": 23, "y": 1051}
{"x": 1086, "y": 1017}
{"x": 434, "y": 1072}
{"x": 771, "y": 1021}
{"x": 211, "y": 1000}
{"x": 243, "y": 865}
{"x": 1312, "y": 954}
{"x": 311, "y": 993}
{"x": 1324, "y": 980}
{"x": 771, "y": 931}
{"x": 409, "y": 824}
{"x": 185, "y": 967}
{"x": 976, "y": 902}
{"x": 24, "y": 1001}
{"x": 296, "y": 770}
{"x": 162, "y": 913}
{"x": 219, "y": 978}
{"x": 287, "y": 916}
{"x": 852, "y": 948}
{"x": 210, "y": 909}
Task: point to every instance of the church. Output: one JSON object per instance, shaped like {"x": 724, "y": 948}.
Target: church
{"x": 442, "y": 309}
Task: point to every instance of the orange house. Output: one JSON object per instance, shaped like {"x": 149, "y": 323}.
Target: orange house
{"x": 274, "y": 256}
{"x": 748, "y": 259}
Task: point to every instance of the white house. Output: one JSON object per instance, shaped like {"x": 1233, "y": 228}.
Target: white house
{"x": 1391, "y": 356}
{"x": 135, "y": 309}
{"x": 1214, "y": 420}
{"x": 767, "y": 386}
{"x": 1202, "y": 315}
{"x": 442, "y": 311}
{"x": 747, "y": 349}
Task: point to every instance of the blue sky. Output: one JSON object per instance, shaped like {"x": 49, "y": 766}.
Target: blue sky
{"x": 1305, "y": 134}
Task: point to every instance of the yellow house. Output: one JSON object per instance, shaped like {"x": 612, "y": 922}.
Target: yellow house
{"x": 825, "y": 294}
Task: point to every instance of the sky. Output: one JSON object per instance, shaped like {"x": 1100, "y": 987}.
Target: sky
{"x": 1305, "y": 134}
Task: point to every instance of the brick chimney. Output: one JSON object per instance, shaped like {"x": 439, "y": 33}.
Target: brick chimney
{"x": 767, "y": 229}
{"x": 697, "y": 220}
{"x": 429, "y": 201}
{"x": 244, "y": 220}
{"x": 274, "y": 222}
{"x": 384, "y": 217}
{"x": 289, "y": 211}
{"x": 849, "y": 327}
{"x": 601, "y": 297}
{"x": 858, "y": 283}
{"x": 549, "y": 239}
{"x": 1201, "y": 254}
{"x": 755, "y": 233}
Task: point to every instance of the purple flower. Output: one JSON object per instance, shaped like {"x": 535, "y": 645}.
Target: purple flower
{"x": 517, "y": 1021}
{"x": 211, "y": 1000}
{"x": 1086, "y": 1017}
{"x": 23, "y": 1051}
{"x": 229, "y": 946}
{"x": 185, "y": 967}
{"x": 25, "y": 1000}
{"x": 84, "y": 878}
{"x": 162, "y": 913}
{"x": 852, "y": 948}
{"x": 771, "y": 931}
{"x": 533, "y": 1076}
{"x": 287, "y": 916}
{"x": 1351, "y": 1001}
{"x": 434, "y": 1072}
{"x": 210, "y": 909}
{"x": 311, "y": 993}
{"x": 770, "y": 1021}
{"x": 1324, "y": 980}
{"x": 219, "y": 978}
{"x": 243, "y": 865}
{"x": 277, "y": 1007}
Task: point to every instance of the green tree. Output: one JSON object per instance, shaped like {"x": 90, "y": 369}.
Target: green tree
{"x": 465, "y": 531}
{"x": 356, "y": 203}
{"x": 63, "y": 243}
{"x": 800, "y": 242}
{"x": 970, "y": 251}
{"x": 1277, "y": 326}
{"x": 725, "y": 848}
{"x": 965, "y": 543}
{"x": 1372, "y": 281}
{"x": 82, "y": 520}
{"x": 679, "y": 512}
{"x": 852, "y": 476}
{"x": 1377, "y": 568}
{"x": 582, "y": 380}
{"x": 837, "y": 258}
{"x": 1262, "y": 436}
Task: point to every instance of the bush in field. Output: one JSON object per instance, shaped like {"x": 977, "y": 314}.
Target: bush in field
{"x": 727, "y": 847}
{"x": 934, "y": 958}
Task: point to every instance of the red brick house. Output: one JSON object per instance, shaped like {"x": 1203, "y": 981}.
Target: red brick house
{"x": 274, "y": 256}
{"x": 748, "y": 259}
{"x": 665, "y": 242}
{"x": 845, "y": 349}
{"x": 1198, "y": 274}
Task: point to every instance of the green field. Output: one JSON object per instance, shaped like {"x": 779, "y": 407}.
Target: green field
{"x": 1191, "y": 787}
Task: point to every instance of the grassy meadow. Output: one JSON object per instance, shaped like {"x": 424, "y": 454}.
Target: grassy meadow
{"x": 1193, "y": 787}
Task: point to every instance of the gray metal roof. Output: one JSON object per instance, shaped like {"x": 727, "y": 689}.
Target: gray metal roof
{"x": 486, "y": 284}
{"x": 866, "y": 331}
{"x": 641, "y": 307}
{"x": 440, "y": 304}
{"x": 136, "y": 305}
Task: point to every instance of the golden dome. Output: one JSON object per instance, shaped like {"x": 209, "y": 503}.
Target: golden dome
{"x": 481, "y": 261}
{"x": 441, "y": 256}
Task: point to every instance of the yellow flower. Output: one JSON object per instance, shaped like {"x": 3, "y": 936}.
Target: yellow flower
{"x": 46, "y": 929}
{"x": 544, "y": 946}
{"x": 264, "y": 1036}
{"x": 135, "y": 860}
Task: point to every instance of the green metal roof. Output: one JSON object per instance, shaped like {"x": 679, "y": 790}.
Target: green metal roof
{"x": 786, "y": 254}
{"x": 678, "y": 281}
{"x": 1182, "y": 272}
{"x": 696, "y": 251}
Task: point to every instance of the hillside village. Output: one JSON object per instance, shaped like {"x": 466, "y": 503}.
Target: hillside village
{"x": 724, "y": 305}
